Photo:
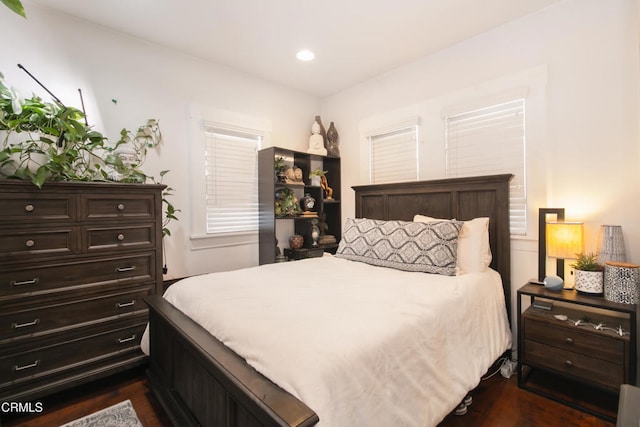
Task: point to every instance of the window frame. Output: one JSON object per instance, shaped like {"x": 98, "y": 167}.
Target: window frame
{"x": 391, "y": 127}
{"x": 200, "y": 118}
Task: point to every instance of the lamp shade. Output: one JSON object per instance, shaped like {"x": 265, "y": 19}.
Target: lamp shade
{"x": 611, "y": 244}
{"x": 564, "y": 239}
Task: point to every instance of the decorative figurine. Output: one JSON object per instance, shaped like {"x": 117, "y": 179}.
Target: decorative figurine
{"x": 315, "y": 233}
{"x": 325, "y": 186}
{"x": 316, "y": 141}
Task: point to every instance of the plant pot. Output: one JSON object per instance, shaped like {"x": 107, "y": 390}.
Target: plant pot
{"x": 589, "y": 282}
{"x": 315, "y": 180}
{"x": 34, "y": 160}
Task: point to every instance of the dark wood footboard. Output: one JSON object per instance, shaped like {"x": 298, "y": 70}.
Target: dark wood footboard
{"x": 199, "y": 381}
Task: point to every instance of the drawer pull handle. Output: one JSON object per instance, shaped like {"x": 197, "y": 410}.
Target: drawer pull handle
{"x": 569, "y": 341}
{"x": 25, "y": 282}
{"x": 28, "y": 208}
{"x": 125, "y": 269}
{"x": 568, "y": 363}
{"x": 25, "y": 325}
{"x": 121, "y": 237}
{"x": 17, "y": 368}
{"x": 120, "y": 207}
{"x": 125, "y": 304}
{"x": 126, "y": 340}
{"x": 29, "y": 243}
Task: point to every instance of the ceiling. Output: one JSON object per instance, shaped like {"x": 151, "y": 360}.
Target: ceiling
{"x": 353, "y": 40}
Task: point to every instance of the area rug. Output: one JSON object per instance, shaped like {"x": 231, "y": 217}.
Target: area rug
{"x": 119, "y": 415}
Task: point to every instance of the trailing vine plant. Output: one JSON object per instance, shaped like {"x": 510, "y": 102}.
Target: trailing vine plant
{"x": 47, "y": 141}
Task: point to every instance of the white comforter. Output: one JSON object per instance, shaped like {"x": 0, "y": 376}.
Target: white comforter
{"x": 360, "y": 345}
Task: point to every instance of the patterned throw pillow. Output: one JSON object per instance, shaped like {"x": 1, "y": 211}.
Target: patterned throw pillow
{"x": 404, "y": 245}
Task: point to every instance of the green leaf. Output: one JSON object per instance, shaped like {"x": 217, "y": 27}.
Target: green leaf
{"x": 15, "y": 6}
{"x": 40, "y": 176}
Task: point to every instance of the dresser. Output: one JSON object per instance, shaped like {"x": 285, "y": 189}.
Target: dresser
{"x": 76, "y": 261}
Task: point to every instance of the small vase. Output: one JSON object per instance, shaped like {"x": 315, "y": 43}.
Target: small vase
{"x": 333, "y": 141}
{"x": 296, "y": 241}
{"x": 307, "y": 203}
{"x": 315, "y": 235}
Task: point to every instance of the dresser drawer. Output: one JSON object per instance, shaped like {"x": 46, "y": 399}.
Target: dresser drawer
{"x": 573, "y": 339}
{"x": 55, "y": 358}
{"x": 124, "y": 206}
{"x": 98, "y": 272}
{"x": 98, "y": 239}
{"x": 64, "y": 314}
{"x": 37, "y": 242}
{"x": 37, "y": 206}
{"x": 583, "y": 366}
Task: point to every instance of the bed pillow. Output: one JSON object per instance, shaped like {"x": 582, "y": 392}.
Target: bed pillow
{"x": 404, "y": 245}
{"x": 474, "y": 252}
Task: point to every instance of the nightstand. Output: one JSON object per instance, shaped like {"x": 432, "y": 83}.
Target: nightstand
{"x": 580, "y": 361}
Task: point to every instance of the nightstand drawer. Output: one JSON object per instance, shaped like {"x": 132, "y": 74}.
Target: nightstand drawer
{"x": 583, "y": 366}
{"x": 573, "y": 339}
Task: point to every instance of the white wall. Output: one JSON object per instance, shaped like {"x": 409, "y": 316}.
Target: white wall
{"x": 586, "y": 154}
{"x": 148, "y": 81}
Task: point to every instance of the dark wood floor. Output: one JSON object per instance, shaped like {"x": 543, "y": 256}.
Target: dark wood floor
{"x": 497, "y": 402}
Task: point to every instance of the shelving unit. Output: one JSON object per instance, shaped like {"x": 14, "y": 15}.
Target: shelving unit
{"x": 280, "y": 228}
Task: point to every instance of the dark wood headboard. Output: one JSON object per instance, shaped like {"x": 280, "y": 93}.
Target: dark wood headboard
{"x": 459, "y": 198}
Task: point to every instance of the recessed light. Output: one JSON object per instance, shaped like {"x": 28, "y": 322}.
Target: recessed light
{"x": 305, "y": 55}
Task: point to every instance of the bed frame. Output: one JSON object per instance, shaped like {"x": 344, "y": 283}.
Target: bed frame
{"x": 199, "y": 381}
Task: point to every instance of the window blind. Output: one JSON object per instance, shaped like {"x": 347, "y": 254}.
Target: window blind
{"x": 394, "y": 156}
{"x": 491, "y": 140}
{"x": 231, "y": 181}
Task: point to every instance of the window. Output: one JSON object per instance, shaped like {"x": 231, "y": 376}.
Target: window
{"x": 393, "y": 156}
{"x": 231, "y": 170}
{"x": 491, "y": 140}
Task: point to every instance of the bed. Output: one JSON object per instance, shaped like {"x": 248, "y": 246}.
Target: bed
{"x": 330, "y": 374}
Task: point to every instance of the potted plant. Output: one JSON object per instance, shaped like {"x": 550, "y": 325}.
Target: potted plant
{"x": 47, "y": 141}
{"x": 589, "y": 274}
{"x": 316, "y": 177}
{"x": 280, "y": 166}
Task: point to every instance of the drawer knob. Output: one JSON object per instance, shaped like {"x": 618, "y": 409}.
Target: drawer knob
{"x": 28, "y": 208}
{"x": 568, "y": 363}
{"x": 125, "y": 269}
{"x": 121, "y": 237}
{"x": 569, "y": 341}
{"x": 29, "y": 243}
{"x": 120, "y": 206}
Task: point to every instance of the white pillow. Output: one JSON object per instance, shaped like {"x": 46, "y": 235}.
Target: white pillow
{"x": 474, "y": 252}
